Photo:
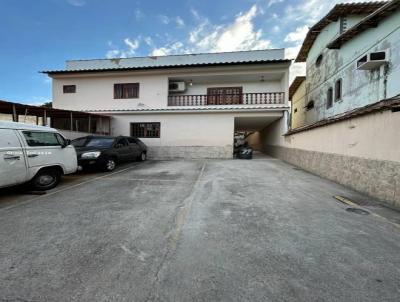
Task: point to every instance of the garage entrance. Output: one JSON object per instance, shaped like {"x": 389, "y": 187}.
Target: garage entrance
{"x": 249, "y": 130}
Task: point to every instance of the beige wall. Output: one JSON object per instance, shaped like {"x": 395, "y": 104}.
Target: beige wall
{"x": 373, "y": 136}
{"x": 298, "y": 102}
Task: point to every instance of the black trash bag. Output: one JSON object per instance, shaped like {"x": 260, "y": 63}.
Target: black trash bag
{"x": 245, "y": 153}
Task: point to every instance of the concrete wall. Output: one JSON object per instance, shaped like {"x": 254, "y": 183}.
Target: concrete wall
{"x": 359, "y": 87}
{"x": 362, "y": 153}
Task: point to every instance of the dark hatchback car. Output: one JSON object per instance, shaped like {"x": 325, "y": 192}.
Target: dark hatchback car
{"x": 105, "y": 152}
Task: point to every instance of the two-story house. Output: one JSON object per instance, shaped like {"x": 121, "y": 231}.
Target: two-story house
{"x": 352, "y": 58}
{"x": 181, "y": 105}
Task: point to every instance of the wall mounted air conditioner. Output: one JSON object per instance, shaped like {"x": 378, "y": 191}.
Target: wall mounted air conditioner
{"x": 177, "y": 86}
{"x": 373, "y": 60}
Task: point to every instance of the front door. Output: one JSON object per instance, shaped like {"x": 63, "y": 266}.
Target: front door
{"x": 224, "y": 96}
{"x": 13, "y": 169}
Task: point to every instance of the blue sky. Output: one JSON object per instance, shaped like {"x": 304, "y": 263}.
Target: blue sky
{"x": 41, "y": 34}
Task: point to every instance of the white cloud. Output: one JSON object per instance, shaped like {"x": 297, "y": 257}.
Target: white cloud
{"x": 115, "y": 52}
{"x": 77, "y": 2}
{"x": 139, "y": 15}
{"x": 273, "y": 2}
{"x": 164, "y": 19}
{"x": 179, "y": 21}
{"x": 238, "y": 35}
{"x": 298, "y": 35}
{"x": 132, "y": 44}
{"x": 291, "y": 52}
{"x": 195, "y": 14}
{"x": 168, "y": 49}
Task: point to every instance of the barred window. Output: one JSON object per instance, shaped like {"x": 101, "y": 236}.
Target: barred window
{"x": 126, "y": 91}
{"x": 145, "y": 130}
{"x": 338, "y": 90}
{"x": 69, "y": 88}
{"x": 329, "y": 98}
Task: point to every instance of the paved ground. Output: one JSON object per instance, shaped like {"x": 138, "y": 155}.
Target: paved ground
{"x": 210, "y": 230}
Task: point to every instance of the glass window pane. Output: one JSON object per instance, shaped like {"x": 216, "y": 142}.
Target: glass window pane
{"x": 37, "y": 139}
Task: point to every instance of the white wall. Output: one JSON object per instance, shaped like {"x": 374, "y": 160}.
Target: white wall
{"x": 181, "y": 129}
{"x": 248, "y": 87}
{"x": 95, "y": 91}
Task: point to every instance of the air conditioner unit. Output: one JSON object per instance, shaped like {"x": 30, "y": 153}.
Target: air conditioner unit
{"x": 373, "y": 60}
{"x": 177, "y": 86}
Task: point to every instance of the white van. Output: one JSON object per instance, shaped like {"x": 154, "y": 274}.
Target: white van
{"x": 35, "y": 154}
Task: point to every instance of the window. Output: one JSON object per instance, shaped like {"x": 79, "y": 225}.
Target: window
{"x": 329, "y": 98}
{"x": 319, "y": 60}
{"x": 69, "y": 88}
{"x": 338, "y": 90}
{"x": 146, "y": 130}
{"x": 126, "y": 91}
{"x": 43, "y": 139}
{"x": 310, "y": 105}
{"x": 122, "y": 142}
{"x": 343, "y": 24}
{"x": 132, "y": 140}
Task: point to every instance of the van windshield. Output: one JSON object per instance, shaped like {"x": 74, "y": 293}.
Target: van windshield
{"x": 93, "y": 142}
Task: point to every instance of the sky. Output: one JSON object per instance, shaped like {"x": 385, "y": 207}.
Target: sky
{"x": 38, "y": 35}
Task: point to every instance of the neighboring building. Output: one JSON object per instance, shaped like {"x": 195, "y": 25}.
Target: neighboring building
{"x": 297, "y": 92}
{"x": 352, "y": 58}
{"x": 183, "y": 105}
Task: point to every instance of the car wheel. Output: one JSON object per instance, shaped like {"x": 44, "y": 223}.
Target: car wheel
{"x": 143, "y": 156}
{"x": 110, "y": 165}
{"x": 46, "y": 179}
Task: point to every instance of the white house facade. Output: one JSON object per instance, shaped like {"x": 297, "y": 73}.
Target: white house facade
{"x": 181, "y": 106}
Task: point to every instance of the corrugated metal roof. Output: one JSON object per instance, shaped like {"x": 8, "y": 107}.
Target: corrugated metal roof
{"x": 196, "y": 109}
{"x": 188, "y": 60}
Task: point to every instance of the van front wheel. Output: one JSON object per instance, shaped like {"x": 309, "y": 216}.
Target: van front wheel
{"x": 46, "y": 179}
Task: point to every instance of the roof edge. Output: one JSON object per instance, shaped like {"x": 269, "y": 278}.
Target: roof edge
{"x": 50, "y": 72}
{"x": 383, "y": 105}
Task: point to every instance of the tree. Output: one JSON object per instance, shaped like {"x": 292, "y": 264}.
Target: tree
{"x": 48, "y": 105}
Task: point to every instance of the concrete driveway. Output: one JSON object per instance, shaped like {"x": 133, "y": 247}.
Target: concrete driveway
{"x": 213, "y": 230}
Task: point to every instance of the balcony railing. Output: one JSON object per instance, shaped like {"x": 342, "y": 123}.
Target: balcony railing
{"x": 259, "y": 98}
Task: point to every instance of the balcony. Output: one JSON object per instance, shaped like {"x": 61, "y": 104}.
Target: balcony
{"x": 259, "y": 98}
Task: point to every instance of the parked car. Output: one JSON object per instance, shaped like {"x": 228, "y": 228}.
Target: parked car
{"x": 34, "y": 154}
{"x": 105, "y": 152}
